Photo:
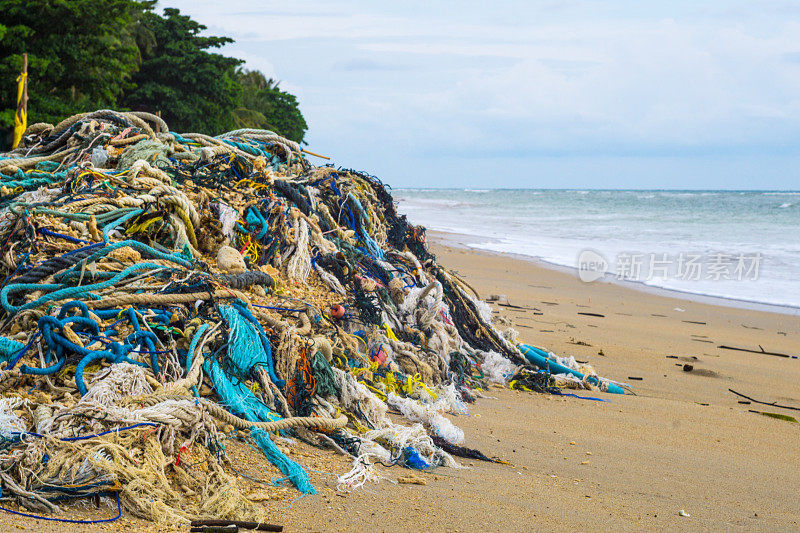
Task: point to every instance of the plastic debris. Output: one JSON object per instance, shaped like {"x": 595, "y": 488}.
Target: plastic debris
{"x": 166, "y": 294}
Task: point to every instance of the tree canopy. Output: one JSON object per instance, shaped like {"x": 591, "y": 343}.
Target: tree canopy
{"x": 193, "y": 88}
{"x": 80, "y": 54}
{"x": 90, "y": 54}
{"x": 265, "y": 106}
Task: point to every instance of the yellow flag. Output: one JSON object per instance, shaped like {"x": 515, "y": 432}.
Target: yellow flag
{"x": 21, "y": 116}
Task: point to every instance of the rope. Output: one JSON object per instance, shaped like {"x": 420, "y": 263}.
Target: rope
{"x": 218, "y": 282}
{"x": 311, "y": 422}
{"x": 67, "y": 520}
{"x": 163, "y": 299}
{"x": 28, "y": 162}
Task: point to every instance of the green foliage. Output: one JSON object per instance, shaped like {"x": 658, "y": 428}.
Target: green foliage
{"x": 195, "y": 90}
{"x": 265, "y": 106}
{"x": 79, "y": 54}
{"x": 89, "y": 54}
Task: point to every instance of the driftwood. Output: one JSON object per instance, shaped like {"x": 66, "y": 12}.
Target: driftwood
{"x": 773, "y": 404}
{"x": 512, "y": 306}
{"x": 762, "y": 351}
{"x": 213, "y": 522}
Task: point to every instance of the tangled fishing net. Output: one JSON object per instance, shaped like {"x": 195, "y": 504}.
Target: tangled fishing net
{"x": 166, "y": 292}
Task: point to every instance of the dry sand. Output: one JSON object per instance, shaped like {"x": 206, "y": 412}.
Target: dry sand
{"x": 630, "y": 463}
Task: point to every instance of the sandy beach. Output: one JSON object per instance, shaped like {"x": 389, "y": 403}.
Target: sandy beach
{"x": 632, "y": 463}
{"x": 311, "y": 268}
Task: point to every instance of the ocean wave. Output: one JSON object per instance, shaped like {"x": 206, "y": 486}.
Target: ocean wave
{"x": 432, "y": 202}
{"x": 770, "y": 291}
{"x": 555, "y": 227}
{"x": 677, "y": 194}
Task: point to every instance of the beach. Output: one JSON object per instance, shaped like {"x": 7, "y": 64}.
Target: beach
{"x": 351, "y": 266}
{"x": 683, "y": 442}
{"x": 633, "y": 462}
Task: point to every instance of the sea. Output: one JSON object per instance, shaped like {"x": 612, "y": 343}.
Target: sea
{"x": 738, "y": 245}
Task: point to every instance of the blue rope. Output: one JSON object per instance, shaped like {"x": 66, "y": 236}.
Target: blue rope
{"x": 68, "y": 238}
{"x": 86, "y": 437}
{"x": 245, "y": 351}
{"x": 192, "y": 346}
{"x": 62, "y": 293}
{"x": 255, "y": 218}
{"x": 58, "y": 345}
{"x": 121, "y": 220}
{"x": 572, "y": 395}
{"x": 14, "y": 360}
{"x": 20, "y": 265}
{"x": 262, "y": 336}
{"x": 364, "y": 220}
{"x": 33, "y": 179}
{"x": 148, "y": 339}
{"x": 141, "y": 247}
{"x": 66, "y": 520}
{"x": 10, "y": 347}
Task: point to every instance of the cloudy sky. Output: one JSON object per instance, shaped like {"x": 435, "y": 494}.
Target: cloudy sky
{"x": 574, "y": 94}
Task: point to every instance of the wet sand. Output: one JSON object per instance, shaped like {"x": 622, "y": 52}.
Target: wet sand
{"x": 630, "y": 463}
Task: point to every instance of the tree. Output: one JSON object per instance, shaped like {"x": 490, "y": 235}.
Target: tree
{"x": 81, "y": 54}
{"x": 194, "y": 89}
{"x": 265, "y": 106}
{"x": 90, "y": 54}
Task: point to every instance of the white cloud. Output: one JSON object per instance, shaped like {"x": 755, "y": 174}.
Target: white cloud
{"x": 527, "y": 78}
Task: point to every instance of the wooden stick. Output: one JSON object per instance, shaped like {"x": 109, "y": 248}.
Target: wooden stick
{"x": 512, "y": 306}
{"x": 258, "y": 526}
{"x": 777, "y": 354}
{"x": 24, "y": 101}
{"x": 773, "y": 404}
{"x": 21, "y": 110}
{"x": 315, "y": 155}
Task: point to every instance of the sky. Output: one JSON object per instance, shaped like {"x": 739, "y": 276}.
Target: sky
{"x": 540, "y": 94}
